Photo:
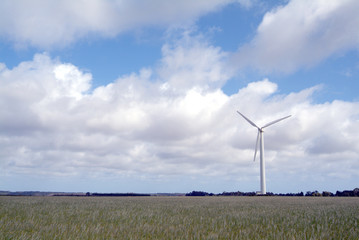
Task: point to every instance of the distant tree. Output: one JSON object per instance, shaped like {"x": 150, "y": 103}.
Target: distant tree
{"x": 308, "y": 194}
{"x": 348, "y": 193}
{"x": 197, "y": 194}
{"x": 327, "y": 194}
{"x": 313, "y": 194}
{"x": 249, "y": 194}
{"x": 316, "y": 194}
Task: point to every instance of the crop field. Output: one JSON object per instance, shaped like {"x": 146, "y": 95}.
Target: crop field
{"x": 179, "y": 218}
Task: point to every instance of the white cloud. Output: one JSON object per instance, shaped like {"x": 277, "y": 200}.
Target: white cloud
{"x": 148, "y": 125}
{"x": 191, "y": 61}
{"x": 47, "y": 24}
{"x": 301, "y": 34}
{"x": 33, "y": 85}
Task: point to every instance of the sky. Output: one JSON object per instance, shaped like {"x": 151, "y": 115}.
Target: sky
{"x": 142, "y": 96}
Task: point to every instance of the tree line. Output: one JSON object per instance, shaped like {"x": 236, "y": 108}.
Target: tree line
{"x": 345, "y": 193}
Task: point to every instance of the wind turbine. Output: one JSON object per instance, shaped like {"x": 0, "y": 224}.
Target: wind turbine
{"x": 261, "y": 148}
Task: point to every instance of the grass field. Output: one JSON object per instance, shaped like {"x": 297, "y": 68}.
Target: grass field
{"x": 179, "y": 218}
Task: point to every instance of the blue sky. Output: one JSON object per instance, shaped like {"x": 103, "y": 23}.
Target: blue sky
{"x": 141, "y": 96}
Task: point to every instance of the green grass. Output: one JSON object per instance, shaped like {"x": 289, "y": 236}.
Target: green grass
{"x": 178, "y": 218}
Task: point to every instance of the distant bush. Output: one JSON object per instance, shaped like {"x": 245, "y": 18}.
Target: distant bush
{"x": 199, "y": 194}
{"x": 348, "y": 193}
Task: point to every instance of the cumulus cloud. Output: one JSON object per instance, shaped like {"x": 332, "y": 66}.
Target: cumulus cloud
{"x": 47, "y": 24}
{"x": 149, "y": 125}
{"x": 191, "y": 61}
{"x": 301, "y": 34}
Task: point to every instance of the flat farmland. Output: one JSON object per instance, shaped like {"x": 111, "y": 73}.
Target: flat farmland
{"x": 179, "y": 218}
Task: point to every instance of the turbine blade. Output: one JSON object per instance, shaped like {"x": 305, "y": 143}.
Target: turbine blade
{"x": 273, "y": 122}
{"x": 255, "y": 151}
{"x": 252, "y": 123}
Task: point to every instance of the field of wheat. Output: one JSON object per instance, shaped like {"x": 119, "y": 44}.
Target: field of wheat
{"x": 179, "y": 218}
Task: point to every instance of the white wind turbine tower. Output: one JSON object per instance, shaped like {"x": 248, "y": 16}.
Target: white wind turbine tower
{"x": 261, "y": 149}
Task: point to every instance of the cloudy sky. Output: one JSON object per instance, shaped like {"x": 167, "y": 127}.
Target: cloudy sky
{"x": 141, "y": 96}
